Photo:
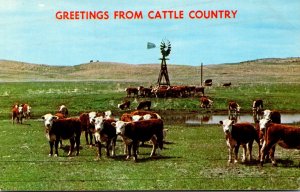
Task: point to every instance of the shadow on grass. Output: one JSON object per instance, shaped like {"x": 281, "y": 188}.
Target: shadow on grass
{"x": 143, "y": 159}
{"x": 288, "y": 163}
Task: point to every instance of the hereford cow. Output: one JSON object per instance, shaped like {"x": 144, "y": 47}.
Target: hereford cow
{"x": 227, "y": 84}
{"x": 199, "y": 90}
{"x": 205, "y": 102}
{"x": 144, "y": 104}
{"x": 132, "y": 90}
{"x": 124, "y": 105}
{"x": 144, "y": 91}
{"x": 105, "y": 132}
{"x": 143, "y": 113}
{"x": 26, "y": 111}
{"x": 145, "y": 130}
{"x": 57, "y": 129}
{"x": 233, "y": 109}
{"x": 64, "y": 110}
{"x": 239, "y": 134}
{"x": 257, "y": 108}
{"x": 273, "y": 115}
{"x": 160, "y": 91}
{"x": 285, "y": 135}
{"x": 17, "y": 113}
{"x": 87, "y": 127}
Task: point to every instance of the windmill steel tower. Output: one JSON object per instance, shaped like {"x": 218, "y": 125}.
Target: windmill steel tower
{"x": 165, "y": 49}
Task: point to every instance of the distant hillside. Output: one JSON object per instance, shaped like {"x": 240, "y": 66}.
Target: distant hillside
{"x": 272, "y": 70}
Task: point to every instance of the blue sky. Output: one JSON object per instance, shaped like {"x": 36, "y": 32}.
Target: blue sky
{"x": 262, "y": 29}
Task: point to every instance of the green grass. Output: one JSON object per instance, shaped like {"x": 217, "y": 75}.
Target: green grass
{"x": 195, "y": 157}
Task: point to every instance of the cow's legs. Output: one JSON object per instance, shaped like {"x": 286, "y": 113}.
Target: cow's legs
{"x": 265, "y": 150}
{"x": 230, "y": 152}
{"x": 249, "y": 146}
{"x": 77, "y": 140}
{"x": 154, "y": 146}
{"x": 99, "y": 148}
{"x": 129, "y": 146}
{"x": 244, "y": 158}
{"x": 236, "y": 153}
{"x": 113, "y": 143}
{"x": 56, "y": 146}
{"x": 107, "y": 147}
{"x": 72, "y": 142}
{"x": 51, "y": 143}
{"x": 134, "y": 148}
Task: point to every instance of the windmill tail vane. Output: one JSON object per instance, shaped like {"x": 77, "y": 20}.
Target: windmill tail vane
{"x": 150, "y": 45}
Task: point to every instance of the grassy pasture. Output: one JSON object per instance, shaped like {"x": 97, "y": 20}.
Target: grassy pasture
{"x": 195, "y": 156}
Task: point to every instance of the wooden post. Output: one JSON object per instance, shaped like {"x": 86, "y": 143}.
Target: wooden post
{"x": 201, "y": 73}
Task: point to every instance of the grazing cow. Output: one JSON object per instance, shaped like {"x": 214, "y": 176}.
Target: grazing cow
{"x": 208, "y": 82}
{"x": 124, "y": 105}
{"x": 273, "y": 115}
{"x": 57, "y": 129}
{"x": 227, "y": 84}
{"x": 26, "y": 111}
{"x": 17, "y": 113}
{"x": 64, "y": 110}
{"x": 145, "y": 130}
{"x": 144, "y": 104}
{"x": 239, "y": 134}
{"x": 285, "y": 135}
{"x": 205, "y": 102}
{"x": 160, "y": 91}
{"x": 233, "y": 108}
{"x": 144, "y": 91}
{"x": 132, "y": 90}
{"x": 105, "y": 132}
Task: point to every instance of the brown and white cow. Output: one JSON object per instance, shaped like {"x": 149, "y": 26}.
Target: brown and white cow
{"x": 63, "y": 110}
{"x": 105, "y": 132}
{"x": 17, "y": 114}
{"x": 145, "y": 91}
{"x": 144, "y": 104}
{"x": 237, "y": 134}
{"x": 139, "y": 131}
{"x": 257, "y": 109}
{"x": 233, "y": 109}
{"x": 199, "y": 90}
{"x": 205, "y": 102}
{"x": 286, "y": 136}
{"x": 132, "y": 90}
{"x": 61, "y": 129}
{"x": 26, "y": 111}
{"x": 274, "y": 115}
{"x": 124, "y": 105}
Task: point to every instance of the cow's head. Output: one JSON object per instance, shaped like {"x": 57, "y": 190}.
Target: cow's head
{"x": 267, "y": 114}
{"x": 20, "y": 109}
{"x": 48, "y": 120}
{"x": 92, "y": 116}
{"x": 227, "y": 125}
{"x": 263, "y": 123}
{"x": 107, "y": 114}
{"x": 120, "y": 127}
{"x": 99, "y": 123}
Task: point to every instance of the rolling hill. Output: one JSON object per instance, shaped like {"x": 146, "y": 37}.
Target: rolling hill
{"x": 271, "y": 70}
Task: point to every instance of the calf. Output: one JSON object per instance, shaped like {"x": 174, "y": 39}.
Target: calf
{"x": 205, "y": 102}
{"x": 124, "y": 105}
{"x": 144, "y": 104}
{"x": 17, "y": 113}
{"x": 145, "y": 130}
{"x": 57, "y": 129}
{"x": 87, "y": 126}
{"x": 105, "y": 132}
{"x": 239, "y": 134}
{"x": 285, "y": 135}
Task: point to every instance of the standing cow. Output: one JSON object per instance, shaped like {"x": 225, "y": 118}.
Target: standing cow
{"x": 257, "y": 109}
{"x": 57, "y": 129}
{"x": 284, "y": 135}
{"x": 239, "y": 134}
{"x": 205, "y": 102}
{"x": 233, "y": 110}
{"x": 26, "y": 111}
{"x": 144, "y": 104}
{"x": 144, "y": 130}
{"x": 17, "y": 114}
{"x": 63, "y": 110}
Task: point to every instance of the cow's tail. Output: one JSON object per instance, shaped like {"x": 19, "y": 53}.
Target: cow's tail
{"x": 160, "y": 136}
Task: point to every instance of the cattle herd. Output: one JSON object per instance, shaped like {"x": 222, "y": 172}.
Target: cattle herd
{"x": 143, "y": 125}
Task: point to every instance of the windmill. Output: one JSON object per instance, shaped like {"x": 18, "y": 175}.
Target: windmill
{"x": 165, "y": 48}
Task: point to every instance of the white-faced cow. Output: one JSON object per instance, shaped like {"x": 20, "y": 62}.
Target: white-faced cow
{"x": 57, "y": 129}
{"x": 124, "y": 105}
{"x": 205, "y": 102}
{"x": 286, "y": 136}
{"x": 239, "y": 134}
{"x": 233, "y": 109}
{"x": 105, "y": 132}
{"x": 257, "y": 109}
{"x": 63, "y": 110}
{"x": 144, "y": 104}
{"x": 145, "y": 130}
{"x": 17, "y": 114}
{"x": 273, "y": 115}
{"x": 26, "y": 111}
